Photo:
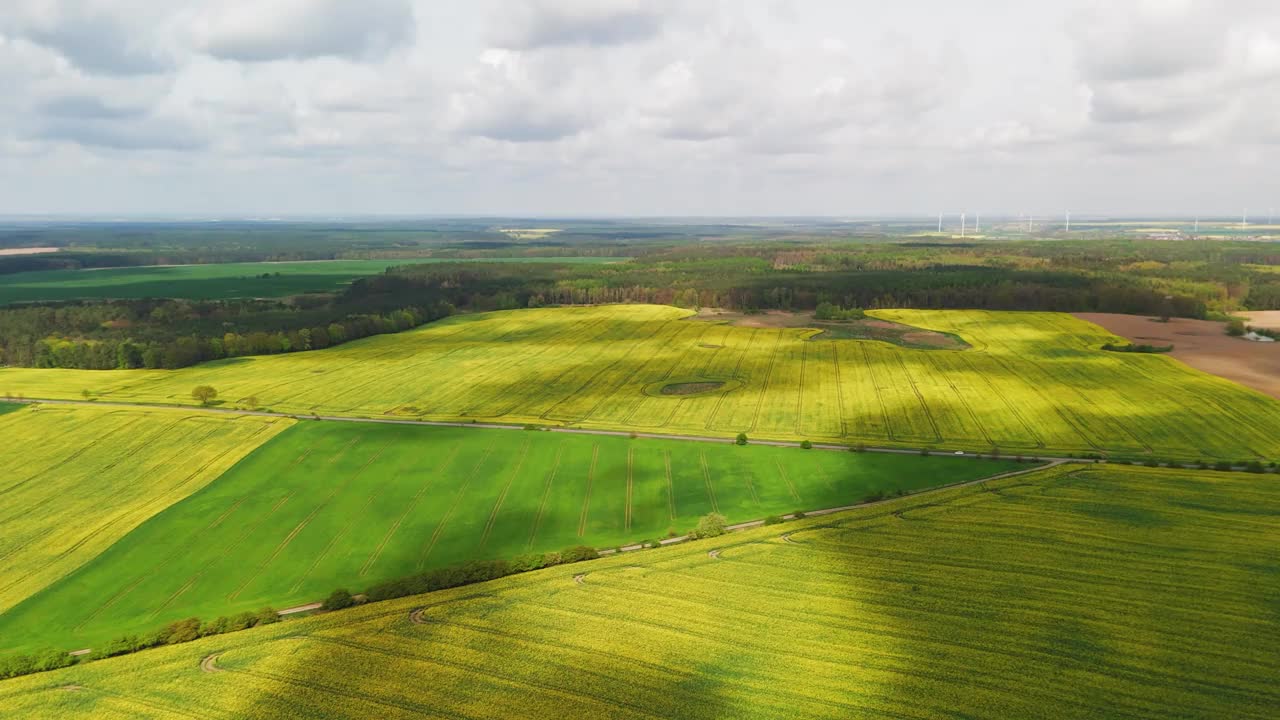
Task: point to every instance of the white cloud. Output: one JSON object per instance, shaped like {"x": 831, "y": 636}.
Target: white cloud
{"x": 644, "y": 106}
{"x": 532, "y": 24}
{"x": 254, "y": 31}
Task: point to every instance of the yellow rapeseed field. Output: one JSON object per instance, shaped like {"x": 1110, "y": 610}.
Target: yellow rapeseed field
{"x": 1030, "y": 382}
{"x": 86, "y": 476}
{"x": 1077, "y": 592}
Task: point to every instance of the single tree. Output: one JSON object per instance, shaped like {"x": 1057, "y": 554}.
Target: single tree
{"x": 806, "y": 445}
{"x": 741, "y": 439}
{"x": 204, "y": 394}
{"x": 711, "y": 525}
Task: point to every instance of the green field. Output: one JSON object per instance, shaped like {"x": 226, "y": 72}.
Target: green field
{"x": 73, "y": 481}
{"x": 337, "y": 504}
{"x": 1030, "y": 382}
{"x": 1075, "y": 593}
{"x": 213, "y": 282}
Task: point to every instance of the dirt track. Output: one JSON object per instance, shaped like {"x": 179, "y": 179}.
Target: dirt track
{"x": 1204, "y": 345}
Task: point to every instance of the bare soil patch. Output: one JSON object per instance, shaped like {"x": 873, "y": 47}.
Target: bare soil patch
{"x": 1204, "y": 345}
{"x": 27, "y": 251}
{"x": 767, "y": 319}
{"x": 690, "y": 388}
{"x": 929, "y": 338}
{"x": 1265, "y": 319}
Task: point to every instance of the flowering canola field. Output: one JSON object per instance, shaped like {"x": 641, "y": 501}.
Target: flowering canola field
{"x": 1078, "y": 592}
{"x": 1030, "y": 382}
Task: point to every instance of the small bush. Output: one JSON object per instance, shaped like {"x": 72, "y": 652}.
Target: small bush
{"x": 1222, "y": 465}
{"x": 806, "y": 445}
{"x": 339, "y": 599}
{"x": 266, "y": 616}
{"x": 578, "y": 553}
{"x": 1255, "y": 467}
{"x": 859, "y": 448}
{"x": 1152, "y": 463}
{"x": 798, "y": 515}
{"x": 741, "y": 439}
{"x": 924, "y": 452}
{"x": 773, "y": 520}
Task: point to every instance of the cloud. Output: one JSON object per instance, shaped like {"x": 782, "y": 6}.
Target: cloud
{"x": 512, "y": 97}
{"x": 251, "y": 31}
{"x": 534, "y": 24}
{"x": 1175, "y": 71}
{"x": 146, "y": 133}
{"x": 85, "y": 107}
{"x": 102, "y": 37}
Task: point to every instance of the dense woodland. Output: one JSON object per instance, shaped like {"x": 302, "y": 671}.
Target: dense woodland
{"x": 1194, "y": 279}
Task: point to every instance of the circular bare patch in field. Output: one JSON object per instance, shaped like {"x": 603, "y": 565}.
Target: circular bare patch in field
{"x": 690, "y": 387}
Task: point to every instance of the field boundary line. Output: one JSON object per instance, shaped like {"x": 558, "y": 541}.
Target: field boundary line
{"x": 606, "y": 396}
{"x": 875, "y": 385}
{"x": 602, "y": 432}
{"x": 934, "y": 363}
{"x": 835, "y": 364}
{"x": 413, "y": 503}
{"x": 804, "y": 359}
{"x": 737, "y": 375}
{"x": 671, "y": 486}
{"x": 631, "y": 453}
{"x": 768, "y": 377}
{"x": 706, "y": 478}
{"x": 591, "y": 331}
{"x": 591, "y": 478}
{"x": 338, "y": 536}
{"x": 457, "y": 498}
{"x": 502, "y": 497}
{"x": 751, "y": 488}
{"x": 937, "y": 434}
{"x": 546, "y": 493}
{"x": 129, "y": 515}
{"x": 288, "y": 540}
{"x": 783, "y": 473}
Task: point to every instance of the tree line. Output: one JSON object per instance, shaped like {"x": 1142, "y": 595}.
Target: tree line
{"x": 173, "y": 334}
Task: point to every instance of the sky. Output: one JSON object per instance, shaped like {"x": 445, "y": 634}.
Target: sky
{"x": 638, "y": 107}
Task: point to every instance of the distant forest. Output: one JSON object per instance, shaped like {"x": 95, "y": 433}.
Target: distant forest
{"x": 1194, "y": 279}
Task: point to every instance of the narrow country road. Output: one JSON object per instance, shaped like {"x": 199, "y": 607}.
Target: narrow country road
{"x": 499, "y": 426}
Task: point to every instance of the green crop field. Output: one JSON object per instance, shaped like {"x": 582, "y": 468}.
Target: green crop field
{"x": 85, "y": 477}
{"x": 349, "y": 504}
{"x": 213, "y": 282}
{"x": 1073, "y": 593}
{"x": 1030, "y": 382}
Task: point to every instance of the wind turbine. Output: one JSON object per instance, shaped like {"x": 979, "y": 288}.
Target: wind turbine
{"x": 962, "y": 225}
{"x": 939, "y": 222}
{"x": 1244, "y": 219}
{"x": 1068, "y": 221}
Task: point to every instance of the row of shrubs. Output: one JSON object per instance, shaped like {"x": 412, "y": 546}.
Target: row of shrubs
{"x": 1138, "y": 348}
{"x": 193, "y": 629}
{"x": 174, "y": 633}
